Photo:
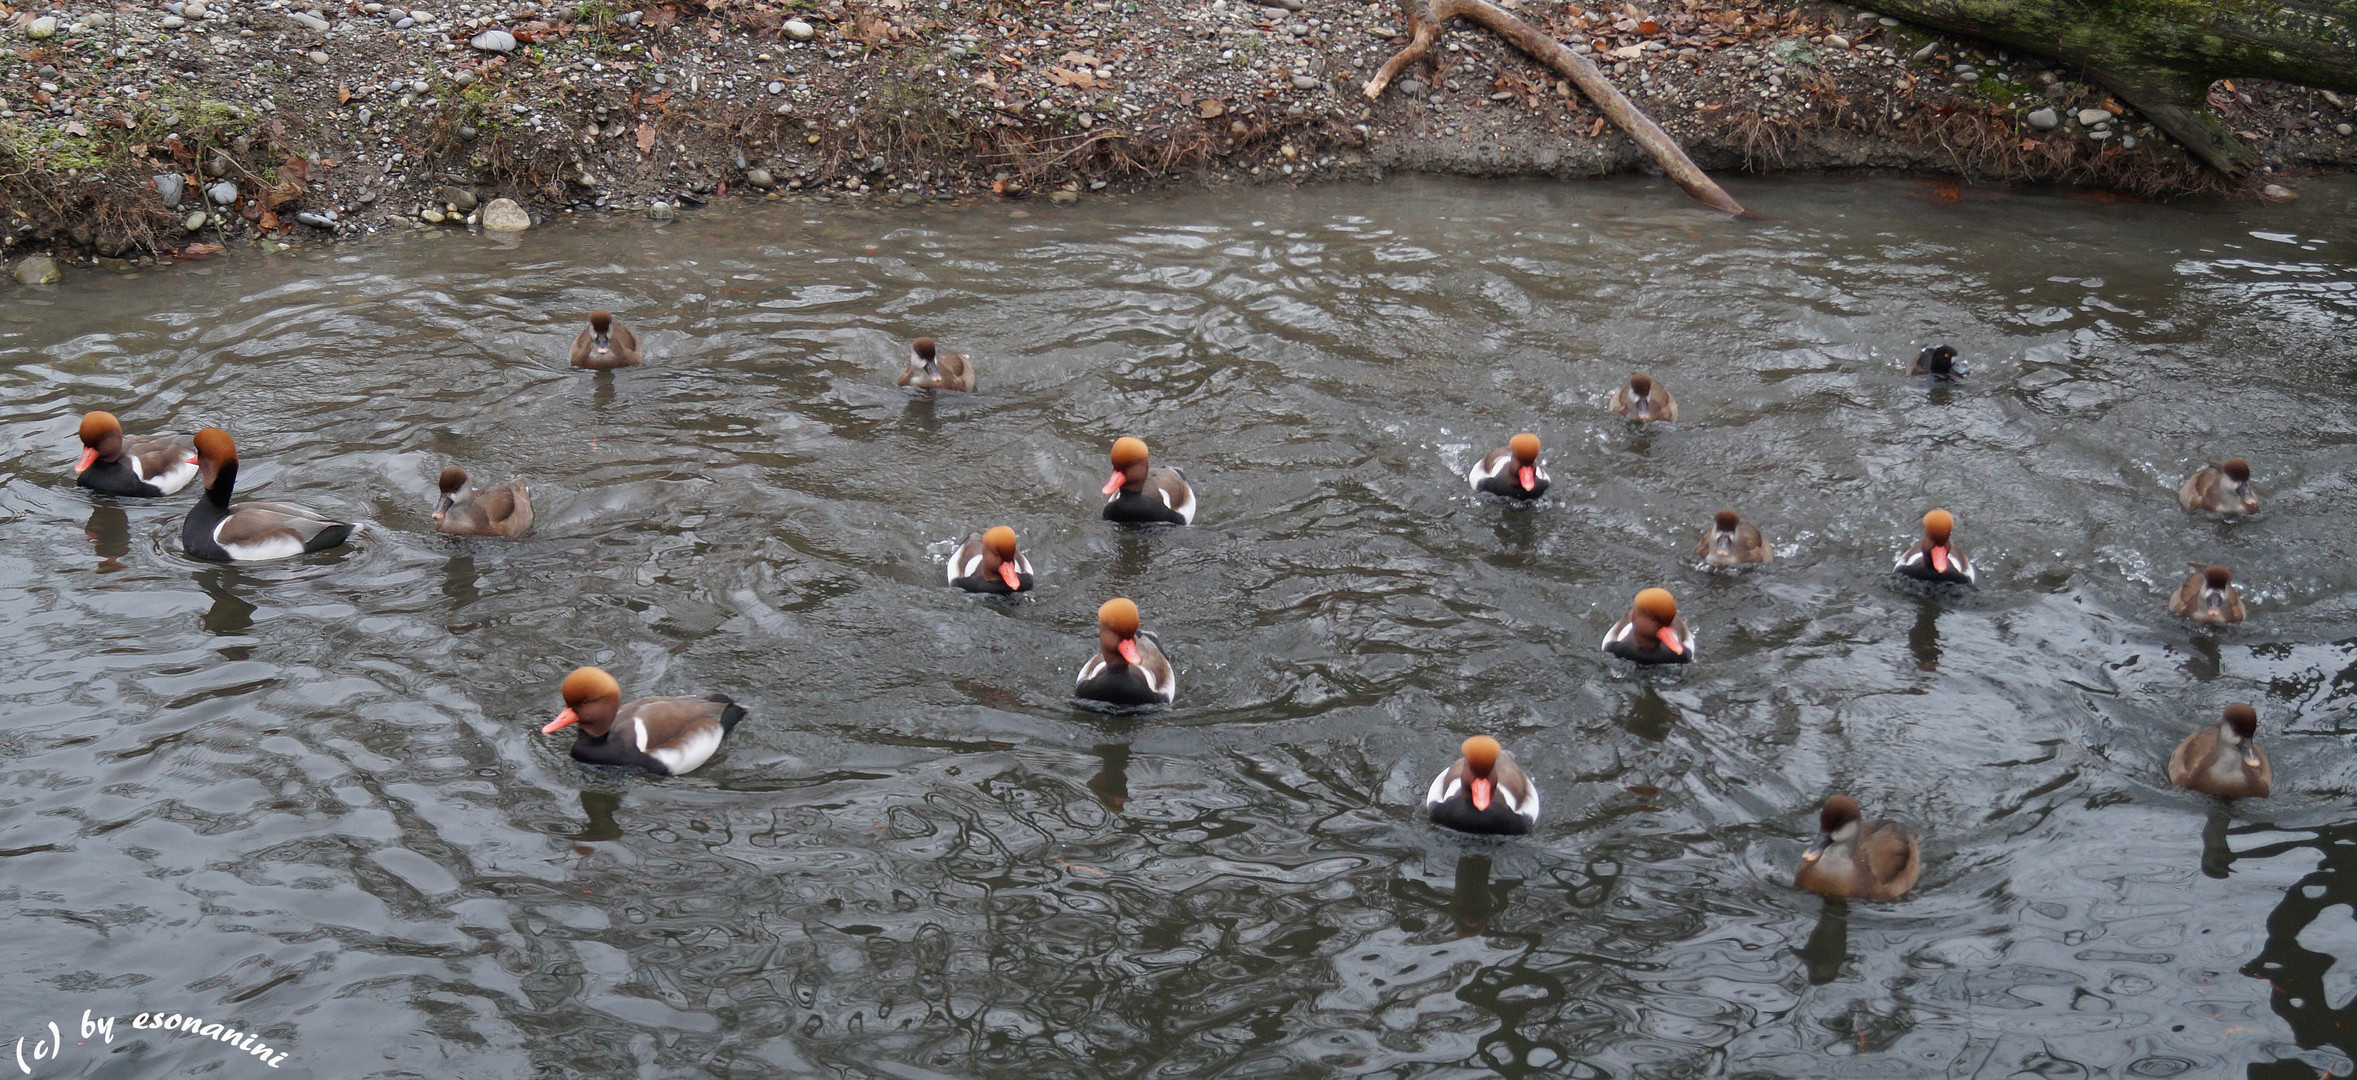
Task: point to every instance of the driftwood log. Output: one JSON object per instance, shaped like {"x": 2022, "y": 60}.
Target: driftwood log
{"x": 1424, "y": 28}
{"x": 2161, "y": 56}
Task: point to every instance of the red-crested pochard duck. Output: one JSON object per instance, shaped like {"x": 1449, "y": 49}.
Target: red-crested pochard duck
{"x": 2221, "y": 487}
{"x": 248, "y": 531}
{"x": 1642, "y": 399}
{"x": 1857, "y": 859}
{"x": 1140, "y": 495}
{"x": 2223, "y": 760}
{"x": 1652, "y": 632}
{"x": 1936, "y": 557}
{"x": 145, "y": 467}
{"x": 1129, "y": 668}
{"x": 2208, "y": 596}
{"x": 1938, "y": 361}
{"x": 1484, "y": 792}
{"x": 988, "y": 563}
{"x": 1512, "y": 470}
{"x": 499, "y": 510}
{"x": 605, "y": 344}
{"x": 668, "y": 736}
{"x": 1731, "y": 541}
{"x": 931, "y": 370}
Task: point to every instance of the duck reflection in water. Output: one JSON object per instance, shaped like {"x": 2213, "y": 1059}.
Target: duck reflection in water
{"x": 1651, "y": 716}
{"x": 1828, "y": 947}
{"x": 1111, "y": 783}
{"x": 1924, "y": 639}
{"x": 109, "y": 530}
{"x": 458, "y": 581}
{"x": 2307, "y": 987}
{"x": 1476, "y": 900}
{"x": 230, "y": 615}
{"x": 598, "y": 806}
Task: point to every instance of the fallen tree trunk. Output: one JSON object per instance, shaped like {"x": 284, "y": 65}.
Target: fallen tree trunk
{"x": 2161, "y": 56}
{"x": 1424, "y": 28}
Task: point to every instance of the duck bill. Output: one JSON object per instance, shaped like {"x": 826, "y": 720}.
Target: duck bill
{"x": 442, "y": 506}
{"x": 1939, "y": 557}
{"x": 1114, "y": 484}
{"x": 2214, "y": 604}
{"x": 1479, "y": 791}
{"x": 1128, "y": 649}
{"x": 1723, "y": 544}
{"x": 1817, "y": 848}
{"x": 564, "y": 720}
{"x": 89, "y": 457}
{"x": 1669, "y": 640}
{"x": 1530, "y": 477}
{"x": 2250, "y": 756}
{"x": 1006, "y": 573}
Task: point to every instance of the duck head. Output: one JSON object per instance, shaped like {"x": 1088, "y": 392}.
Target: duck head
{"x": 2238, "y": 474}
{"x": 1117, "y": 631}
{"x": 455, "y": 491}
{"x": 2242, "y": 722}
{"x": 998, "y": 556}
{"x": 1938, "y": 526}
{"x": 1640, "y": 393}
{"x": 922, "y": 349}
{"x": 102, "y": 438}
{"x": 1129, "y": 465}
{"x": 2215, "y": 581}
{"x": 1526, "y": 459}
{"x": 1939, "y": 360}
{"x": 1836, "y": 824}
{"x": 601, "y": 329}
{"x": 592, "y": 698}
{"x": 1481, "y": 755}
{"x": 1652, "y": 615}
{"x": 216, "y": 462}
{"x": 1722, "y": 532}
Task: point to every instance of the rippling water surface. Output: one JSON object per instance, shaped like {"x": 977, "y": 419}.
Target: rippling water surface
{"x": 309, "y": 798}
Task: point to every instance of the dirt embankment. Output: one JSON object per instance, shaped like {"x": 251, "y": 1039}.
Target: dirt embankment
{"x": 129, "y": 129}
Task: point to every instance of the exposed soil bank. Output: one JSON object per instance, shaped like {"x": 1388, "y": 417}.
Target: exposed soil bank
{"x": 121, "y": 124}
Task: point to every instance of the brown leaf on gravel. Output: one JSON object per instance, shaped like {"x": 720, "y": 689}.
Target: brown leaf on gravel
{"x": 1597, "y": 129}
{"x": 199, "y": 251}
{"x": 269, "y": 221}
{"x": 1083, "y": 59}
{"x": 1068, "y": 77}
{"x": 74, "y": 127}
{"x": 646, "y": 138}
{"x": 1209, "y": 108}
{"x": 986, "y": 81}
{"x": 343, "y": 94}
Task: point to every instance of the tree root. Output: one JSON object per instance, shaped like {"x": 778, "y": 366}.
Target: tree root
{"x": 1424, "y": 29}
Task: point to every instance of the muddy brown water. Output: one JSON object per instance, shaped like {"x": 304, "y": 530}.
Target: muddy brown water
{"x": 309, "y": 799}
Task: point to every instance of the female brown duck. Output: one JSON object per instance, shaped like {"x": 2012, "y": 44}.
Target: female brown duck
{"x": 1856, "y": 858}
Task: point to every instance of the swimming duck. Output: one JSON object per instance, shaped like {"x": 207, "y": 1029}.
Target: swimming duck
{"x": 2208, "y": 596}
{"x": 2222, "y": 760}
{"x": 605, "y": 344}
{"x": 1652, "y": 632}
{"x": 1129, "y": 668}
{"x": 255, "y": 530}
{"x": 1731, "y": 541}
{"x": 667, "y": 736}
{"x": 2222, "y": 487}
{"x": 146, "y": 467}
{"x": 1643, "y": 399}
{"x": 1858, "y": 859}
{"x": 1935, "y": 557}
{"x": 1512, "y": 470}
{"x": 1141, "y": 495}
{"x": 500, "y": 510}
{"x": 1938, "y": 361}
{"x": 1484, "y": 792}
{"x": 928, "y": 370}
{"x": 988, "y": 563}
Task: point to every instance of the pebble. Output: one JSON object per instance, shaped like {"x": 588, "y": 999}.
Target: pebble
{"x": 2344, "y": 130}
{"x": 170, "y": 186}
{"x": 417, "y": 86}
{"x": 318, "y": 57}
{"x": 1305, "y": 82}
{"x": 312, "y": 21}
{"x": 2092, "y": 117}
{"x": 2127, "y": 142}
{"x": 2044, "y": 119}
{"x": 317, "y": 221}
{"x": 503, "y": 215}
{"x": 1837, "y": 41}
{"x": 1925, "y": 52}
{"x": 1969, "y": 77}
{"x": 498, "y": 41}
{"x": 777, "y": 88}
{"x": 2276, "y": 192}
{"x": 45, "y": 26}
{"x": 761, "y": 178}
{"x": 171, "y": 22}
{"x": 195, "y": 221}
{"x": 1063, "y": 198}
{"x": 799, "y": 30}
{"x": 37, "y": 270}
{"x": 456, "y": 198}
{"x": 430, "y": 216}
{"x": 2335, "y": 99}
{"x": 222, "y": 193}
{"x": 660, "y": 211}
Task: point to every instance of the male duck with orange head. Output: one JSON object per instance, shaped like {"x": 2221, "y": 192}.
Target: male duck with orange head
{"x": 144, "y": 467}
{"x": 1936, "y": 557}
{"x": 1484, "y": 792}
{"x": 1129, "y": 668}
{"x": 667, "y": 736}
{"x": 1512, "y": 470}
{"x": 1139, "y": 494}
{"x": 248, "y": 531}
{"x": 988, "y": 563}
{"x": 1652, "y": 632}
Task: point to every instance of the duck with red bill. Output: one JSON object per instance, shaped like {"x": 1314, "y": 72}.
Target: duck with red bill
{"x": 1129, "y": 668}
{"x": 989, "y": 563}
{"x": 1652, "y": 632}
{"x": 1512, "y": 470}
{"x": 144, "y": 467}
{"x": 1140, "y": 494}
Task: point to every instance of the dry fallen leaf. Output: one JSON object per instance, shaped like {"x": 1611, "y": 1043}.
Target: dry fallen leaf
{"x": 1080, "y": 58}
{"x": 646, "y": 138}
{"x": 1598, "y": 129}
{"x": 74, "y": 127}
{"x": 199, "y": 251}
{"x": 343, "y": 95}
{"x": 986, "y": 81}
{"x": 269, "y": 221}
{"x": 1209, "y": 108}
{"x": 1068, "y": 77}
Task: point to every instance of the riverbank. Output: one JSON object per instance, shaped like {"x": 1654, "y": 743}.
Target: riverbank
{"x": 130, "y": 131}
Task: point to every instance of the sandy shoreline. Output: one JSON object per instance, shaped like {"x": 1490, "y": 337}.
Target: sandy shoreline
{"x": 120, "y": 125}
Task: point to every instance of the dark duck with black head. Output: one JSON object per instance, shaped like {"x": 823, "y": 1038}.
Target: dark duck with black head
{"x": 1512, "y": 470}
{"x": 249, "y": 531}
{"x": 1139, "y": 494}
{"x": 144, "y": 467}
{"x": 1484, "y": 792}
{"x": 1938, "y": 361}
{"x": 667, "y": 736}
{"x": 1129, "y": 668}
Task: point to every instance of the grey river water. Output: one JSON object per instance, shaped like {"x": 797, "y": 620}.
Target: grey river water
{"x": 309, "y": 799}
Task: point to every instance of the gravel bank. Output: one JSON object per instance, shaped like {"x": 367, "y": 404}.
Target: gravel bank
{"x": 135, "y": 129}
